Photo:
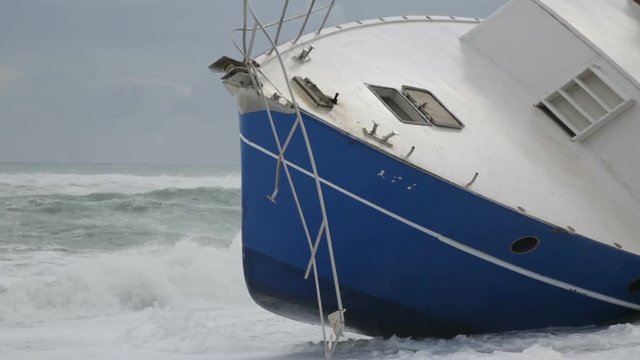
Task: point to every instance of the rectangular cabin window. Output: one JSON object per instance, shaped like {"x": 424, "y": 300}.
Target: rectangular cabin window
{"x": 586, "y": 103}
{"x": 431, "y": 108}
{"x": 398, "y": 105}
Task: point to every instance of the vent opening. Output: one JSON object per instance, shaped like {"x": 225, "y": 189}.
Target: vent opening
{"x": 524, "y": 245}
{"x": 634, "y": 288}
{"x": 555, "y": 119}
{"x": 586, "y": 103}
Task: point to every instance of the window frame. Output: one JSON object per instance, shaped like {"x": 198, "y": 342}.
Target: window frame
{"x": 433, "y": 121}
{"x": 398, "y": 94}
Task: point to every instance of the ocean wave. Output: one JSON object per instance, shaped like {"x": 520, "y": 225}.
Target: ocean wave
{"x": 85, "y": 184}
{"x": 189, "y": 299}
{"x": 226, "y": 196}
{"x": 65, "y": 203}
{"x": 112, "y": 221}
{"x": 184, "y": 274}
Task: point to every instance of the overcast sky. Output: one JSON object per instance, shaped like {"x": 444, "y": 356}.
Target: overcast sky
{"x": 127, "y": 80}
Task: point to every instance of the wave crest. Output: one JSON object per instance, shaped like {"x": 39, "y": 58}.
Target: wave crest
{"x": 85, "y": 184}
{"x": 56, "y": 204}
{"x": 185, "y": 274}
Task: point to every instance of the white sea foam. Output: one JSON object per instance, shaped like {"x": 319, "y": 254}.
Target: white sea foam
{"x": 84, "y": 184}
{"x": 51, "y": 284}
{"x": 63, "y": 296}
{"x": 188, "y": 301}
{"x": 154, "y": 301}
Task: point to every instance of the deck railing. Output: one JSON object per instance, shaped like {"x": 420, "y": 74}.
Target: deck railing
{"x": 335, "y": 319}
{"x": 249, "y": 33}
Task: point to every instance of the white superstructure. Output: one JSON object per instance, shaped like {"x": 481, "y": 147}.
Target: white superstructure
{"x": 491, "y": 75}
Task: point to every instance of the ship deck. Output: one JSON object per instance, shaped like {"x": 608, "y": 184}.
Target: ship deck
{"x": 524, "y": 160}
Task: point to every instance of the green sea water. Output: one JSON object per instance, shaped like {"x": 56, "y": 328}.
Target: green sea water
{"x": 104, "y": 261}
{"x": 111, "y": 206}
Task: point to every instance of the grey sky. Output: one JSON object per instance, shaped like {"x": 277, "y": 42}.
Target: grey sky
{"x": 127, "y": 80}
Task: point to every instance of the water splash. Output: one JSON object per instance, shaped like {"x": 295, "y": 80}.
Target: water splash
{"x": 184, "y": 275}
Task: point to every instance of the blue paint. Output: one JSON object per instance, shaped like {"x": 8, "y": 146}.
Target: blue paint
{"x": 396, "y": 279}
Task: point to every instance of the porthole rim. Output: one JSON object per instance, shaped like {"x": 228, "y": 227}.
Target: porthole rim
{"x": 534, "y": 247}
{"x": 631, "y": 289}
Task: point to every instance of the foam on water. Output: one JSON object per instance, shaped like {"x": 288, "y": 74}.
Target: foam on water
{"x": 147, "y": 265}
{"x": 154, "y": 300}
{"x": 188, "y": 301}
{"x": 35, "y": 183}
{"x": 62, "y": 285}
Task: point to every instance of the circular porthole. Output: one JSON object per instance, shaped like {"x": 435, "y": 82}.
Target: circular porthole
{"x": 525, "y": 245}
{"x": 634, "y": 288}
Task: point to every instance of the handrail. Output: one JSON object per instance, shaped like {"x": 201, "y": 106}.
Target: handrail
{"x": 244, "y": 31}
{"x": 295, "y": 17}
{"x": 306, "y": 19}
{"x": 284, "y": 11}
{"x": 338, "y": 316}
{"x": 253, "y": 38}
{"x": 313, "y": 9}
{"x": 326, "y": 16}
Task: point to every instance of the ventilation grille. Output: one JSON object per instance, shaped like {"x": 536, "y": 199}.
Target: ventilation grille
{"x": 586, "y": 103}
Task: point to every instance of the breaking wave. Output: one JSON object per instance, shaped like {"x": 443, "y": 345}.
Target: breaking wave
{"x": 20, "y": 184}
{"x": 55, "y": 203}
{"x": 58, "y": 283}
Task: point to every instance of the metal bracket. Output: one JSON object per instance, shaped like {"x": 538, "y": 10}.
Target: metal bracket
{"x": 384, "y": 140}
{"x": 315, "y": 94}
{"x": 238, "y": 78}
{"x": 226, "y": 64}
{"x": 304, "y": 54}
{"x": 236, "y": 73}
{"x": 473, "y": 180}
{"x": 413, "y": 148}
{"x": 419, "y": 107}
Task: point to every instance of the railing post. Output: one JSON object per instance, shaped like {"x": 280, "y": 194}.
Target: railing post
{"x": 338, "y": 323}
{"x": 280, "y": 23}
{"x": 253, "y": 38}
{"x": 244, "y": 30}
{"x": 304, "y": 24}
{"x": 326, "y": 16}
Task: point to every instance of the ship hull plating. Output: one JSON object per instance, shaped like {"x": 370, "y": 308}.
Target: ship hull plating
{"x": 416, "y": 255}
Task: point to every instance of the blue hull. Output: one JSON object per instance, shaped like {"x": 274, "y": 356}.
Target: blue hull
{"x": 415, "y": 254}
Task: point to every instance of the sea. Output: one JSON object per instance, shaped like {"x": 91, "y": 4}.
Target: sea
{"x": 102, "y": 261}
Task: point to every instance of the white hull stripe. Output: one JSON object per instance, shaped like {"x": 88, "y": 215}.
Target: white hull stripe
{"x": 457, "y": 245}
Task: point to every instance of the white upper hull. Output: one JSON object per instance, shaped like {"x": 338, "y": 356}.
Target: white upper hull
{"x": 524, "y": 160}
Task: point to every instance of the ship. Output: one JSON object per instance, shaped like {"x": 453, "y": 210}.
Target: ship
{"x": 429, "y": 176}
